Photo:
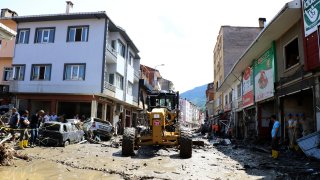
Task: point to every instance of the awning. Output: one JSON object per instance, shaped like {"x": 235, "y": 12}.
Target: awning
{"x": 281, "y": 23}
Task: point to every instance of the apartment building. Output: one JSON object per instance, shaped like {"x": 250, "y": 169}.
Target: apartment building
{"x": 275, "y": 75}
{"x": 231, "y": 42}
{"x": 210, "y": 101}
{"x": 190, "y": 115}
{"x": 76, "y": 63}
{"x": 7, "y": 39}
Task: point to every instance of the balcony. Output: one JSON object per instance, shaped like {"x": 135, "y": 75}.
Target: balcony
{"x": 109, "y": 89}
{"x": 136, "y": 75}
{"x": 111, "y": 54}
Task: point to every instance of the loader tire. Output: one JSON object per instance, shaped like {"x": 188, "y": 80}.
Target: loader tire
{"x": 185, "y": 145}
{"x": 128, "y": 141}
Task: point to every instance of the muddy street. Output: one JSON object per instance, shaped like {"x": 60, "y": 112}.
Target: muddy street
{"x": 95, "y": 161}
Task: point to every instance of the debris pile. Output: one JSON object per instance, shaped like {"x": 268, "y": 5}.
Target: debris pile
{"x": 6, "y": 155}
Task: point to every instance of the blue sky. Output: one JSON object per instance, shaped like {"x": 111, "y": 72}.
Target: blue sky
{"x": 178, "y": 33}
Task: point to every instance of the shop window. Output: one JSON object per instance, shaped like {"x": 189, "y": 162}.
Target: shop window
{"x": 292, "y": 53}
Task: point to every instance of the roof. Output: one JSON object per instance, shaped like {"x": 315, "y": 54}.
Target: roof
{"x": 6, "y": 33}
{"x": 281, "y": 23}
{"x": 79, "y": 15}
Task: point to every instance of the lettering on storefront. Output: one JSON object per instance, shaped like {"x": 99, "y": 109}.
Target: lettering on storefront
{"x": 311, "y": 15}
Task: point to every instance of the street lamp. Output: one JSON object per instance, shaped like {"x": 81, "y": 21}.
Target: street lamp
{"x": 155, "y": 67}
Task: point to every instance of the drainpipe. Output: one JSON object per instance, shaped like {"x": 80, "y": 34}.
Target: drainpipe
{"x": 104, "y": 64}
{"x": 125, "y": 79}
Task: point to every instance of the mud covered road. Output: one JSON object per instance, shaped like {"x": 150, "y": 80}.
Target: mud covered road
{"x": 94, "y": 161}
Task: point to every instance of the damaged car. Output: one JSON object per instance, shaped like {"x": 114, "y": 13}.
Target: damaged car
{"x": 60, "y": 134}
{"x": 96, "y": 128}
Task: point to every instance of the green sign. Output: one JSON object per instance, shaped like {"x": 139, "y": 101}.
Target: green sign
{"x": 311, "y": 15}
{"x": 264, "y": 76}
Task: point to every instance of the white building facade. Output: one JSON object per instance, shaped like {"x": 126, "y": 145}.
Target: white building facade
{"x": 190, "y": 115}
{"x": 77, "y": 63}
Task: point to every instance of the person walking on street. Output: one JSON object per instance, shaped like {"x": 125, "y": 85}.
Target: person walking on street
{"x": 292, "y": 123}
{"x": 14, "y": 122}
{"x": 23, "y": 125}
{"x": 275, "y": 134}
{"x": 305, "y": 124}
{"x": 36, "y": 119}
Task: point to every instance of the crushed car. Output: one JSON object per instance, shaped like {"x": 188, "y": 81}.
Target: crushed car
{"x": 96, "y": 128}
{"x": 60, "y": 134}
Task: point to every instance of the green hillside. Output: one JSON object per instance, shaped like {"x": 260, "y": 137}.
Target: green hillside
{"x": 196, "y": 95}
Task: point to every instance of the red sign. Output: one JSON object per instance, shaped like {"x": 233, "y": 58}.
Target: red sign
{"x": 247, "y": 99}
{"x": 156, "y": 123}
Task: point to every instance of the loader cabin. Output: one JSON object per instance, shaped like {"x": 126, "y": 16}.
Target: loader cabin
{"x": 163, "y": 99}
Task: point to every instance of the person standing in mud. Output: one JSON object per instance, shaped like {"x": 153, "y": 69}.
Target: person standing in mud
{"x": 36, "y": 120}
{"x": 23, "y": 125}
{"x": 14, "y": 122}
{"x": 291, "y": 130}
{"x": 275, "y": 134}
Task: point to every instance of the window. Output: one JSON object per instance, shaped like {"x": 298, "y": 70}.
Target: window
{"x": 113, "y": 44}
{"x": 74, "y": 72}
{"x": 111, "y": 79}
{"x": 226, "y": 99}
{"x": 0, "y": 43}
{"x": 18, "y": 72}
{"x": 121, "y": 49}
{"x": 78, "y": 34}
{"x": 44, "y": 35}
{"x": 230, "y": 97}
{"x": 119, "y": 81}
{"x": 130, "y": 59}
{"x": 41, "y": 72}
{"x": 129, "y": 89}
{"x": 292, "y": 53}
{"x": 7, "y": 73}
{"x": 239, "y": 90}
{"x": 23, "y": 36}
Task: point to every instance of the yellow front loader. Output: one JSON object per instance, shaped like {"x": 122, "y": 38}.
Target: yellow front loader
{"x": 162, "y": 126}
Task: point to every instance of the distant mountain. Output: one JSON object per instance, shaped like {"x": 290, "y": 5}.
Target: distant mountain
{"x": 196, "y": 95}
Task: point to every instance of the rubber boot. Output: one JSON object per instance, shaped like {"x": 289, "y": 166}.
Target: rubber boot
{"x": 276, "y": 154}
{"x": 21, "y": 145}
{"x": 272, "y": 153}
{"x": 25, "y": 143}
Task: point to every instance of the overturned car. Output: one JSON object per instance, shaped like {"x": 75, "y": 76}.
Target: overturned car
{"x": 96, "y": 128}
{"x": 60, "y": 134}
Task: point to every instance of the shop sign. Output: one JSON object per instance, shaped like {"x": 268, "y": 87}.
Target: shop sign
{"x": 311, "y": 15}
{"x": 264, "y": 76}
{"x": 247, "y": 87}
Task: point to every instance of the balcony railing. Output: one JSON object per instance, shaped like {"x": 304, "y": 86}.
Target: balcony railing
{"x": 109, "y": 87}
{"x": 135, "y": 99}
{"x": 111, "y": 50}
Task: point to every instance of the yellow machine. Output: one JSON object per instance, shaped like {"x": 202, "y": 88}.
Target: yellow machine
{"x": 162, "y": 126}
